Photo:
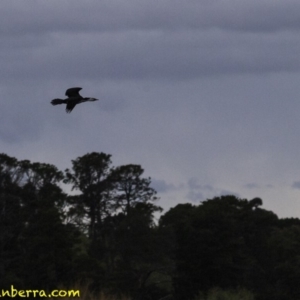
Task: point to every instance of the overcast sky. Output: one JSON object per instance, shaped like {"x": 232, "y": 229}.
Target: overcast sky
{"x": 204, "y": 94}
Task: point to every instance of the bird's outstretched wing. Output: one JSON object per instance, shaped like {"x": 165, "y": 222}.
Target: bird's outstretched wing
{"x": 73, "y": 92}
{"x": 70, "y": 106}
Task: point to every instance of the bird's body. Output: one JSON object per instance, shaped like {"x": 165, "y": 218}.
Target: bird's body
{"x": 73, "y": 98}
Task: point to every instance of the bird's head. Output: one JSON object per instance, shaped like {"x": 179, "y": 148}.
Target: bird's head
{"x": 91, "y": 99}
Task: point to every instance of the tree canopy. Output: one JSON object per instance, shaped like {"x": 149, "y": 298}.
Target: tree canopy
{"x": 105, "y": 235}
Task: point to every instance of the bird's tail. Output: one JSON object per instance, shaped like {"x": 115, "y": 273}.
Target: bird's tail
{"x": 57, "y": 101}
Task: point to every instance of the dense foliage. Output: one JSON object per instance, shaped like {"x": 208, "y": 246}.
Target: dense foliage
{"x": 104, "y": 236}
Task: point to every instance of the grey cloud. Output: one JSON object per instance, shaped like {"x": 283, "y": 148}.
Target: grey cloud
{"x": 148, "y": 41}
{"x": 252, "y": 185}
{"x": 57, "y": 16}
{"x": 193, "y": 184}
{"x": 152, "y": 55}
{"x": 161, "y": 186}
{"x": 195, "y": 196}
{"x": 296, "y": 185}
{"x": 199, "y": 192}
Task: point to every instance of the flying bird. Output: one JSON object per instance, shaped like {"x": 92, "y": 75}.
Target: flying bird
{"x": 73, "y": 98}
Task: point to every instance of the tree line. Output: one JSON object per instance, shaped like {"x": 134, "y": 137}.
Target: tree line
{"x": 104, "y": 235}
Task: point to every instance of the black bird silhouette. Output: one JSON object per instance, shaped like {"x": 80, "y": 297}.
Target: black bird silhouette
{"x": 73, "y": 98}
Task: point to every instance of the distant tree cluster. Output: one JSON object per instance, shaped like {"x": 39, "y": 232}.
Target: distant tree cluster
{"x": 105, "y": 236}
